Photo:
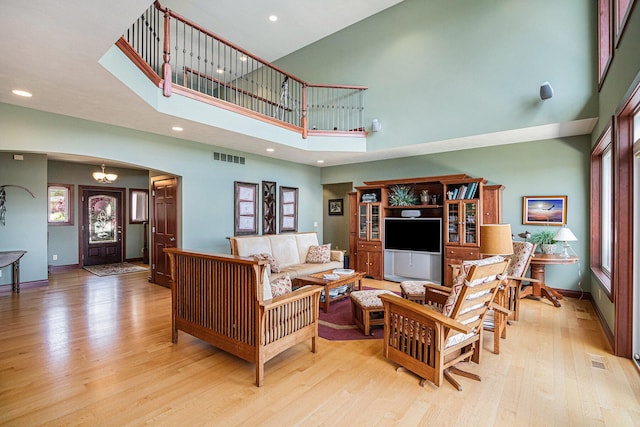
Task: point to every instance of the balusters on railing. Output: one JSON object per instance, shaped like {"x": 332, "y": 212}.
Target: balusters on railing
{"x": 196, "y": 59}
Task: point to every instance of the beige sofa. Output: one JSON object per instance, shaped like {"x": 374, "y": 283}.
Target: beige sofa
{"x": 289, "y": 250}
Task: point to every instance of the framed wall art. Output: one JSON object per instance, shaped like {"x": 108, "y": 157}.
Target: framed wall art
{"x": 288, "y": 209}
{"x": 246, "y": 208}
{"x": 268, "y": 207}
{"x": 336, "y": 206}
{"x": 60, "y": 204}
{"x": 544, "y": 210}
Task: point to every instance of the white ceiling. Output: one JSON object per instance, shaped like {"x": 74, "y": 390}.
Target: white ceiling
{"x": 54, "y": 48}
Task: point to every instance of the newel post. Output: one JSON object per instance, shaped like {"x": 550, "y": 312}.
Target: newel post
{"x": 303, "y": 120}
{"x": 166, "y": 65}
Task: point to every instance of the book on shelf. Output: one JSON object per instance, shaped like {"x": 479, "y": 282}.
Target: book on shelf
{"x": 472, "y": 190}
{"x": 463, "y": 192}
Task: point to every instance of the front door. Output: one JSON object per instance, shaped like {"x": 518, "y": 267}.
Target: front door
{"x": 164, "y": 229}
{"x": 102, "y": 238}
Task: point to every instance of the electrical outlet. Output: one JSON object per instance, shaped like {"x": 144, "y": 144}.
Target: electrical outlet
{"x": 54, "y": 257}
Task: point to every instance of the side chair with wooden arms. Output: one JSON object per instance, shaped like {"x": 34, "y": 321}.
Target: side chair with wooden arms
{"x": 517, "y": 287}
{"x": 430, "y": 342}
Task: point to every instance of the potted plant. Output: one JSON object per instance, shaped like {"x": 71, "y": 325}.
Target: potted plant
{"x": 544, "y": 240}
{"x": 402, "y": 195}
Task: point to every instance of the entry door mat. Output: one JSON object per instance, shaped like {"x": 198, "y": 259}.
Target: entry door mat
{"x": 114, "y": 269}
{"x": 337, "y": 325}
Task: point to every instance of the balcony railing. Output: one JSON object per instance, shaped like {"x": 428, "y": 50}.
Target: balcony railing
{"x": 180, "y": 56}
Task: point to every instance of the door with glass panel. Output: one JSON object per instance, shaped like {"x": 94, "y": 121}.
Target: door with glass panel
{"x": 102, "y": 233}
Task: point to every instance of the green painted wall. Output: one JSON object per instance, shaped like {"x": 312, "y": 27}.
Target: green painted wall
{"x": 541, "y": 168}
{"x": 206, "y": 202}
{"x": 439, "y": 69}
{"x": 26, "y": 217}
{"x": 336, "y": 227}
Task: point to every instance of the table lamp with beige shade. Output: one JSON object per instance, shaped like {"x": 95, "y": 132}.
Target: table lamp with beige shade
{"x": 495, "y": 239}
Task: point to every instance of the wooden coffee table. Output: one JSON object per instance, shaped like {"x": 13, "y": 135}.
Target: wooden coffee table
{"x": 354, "y": 279}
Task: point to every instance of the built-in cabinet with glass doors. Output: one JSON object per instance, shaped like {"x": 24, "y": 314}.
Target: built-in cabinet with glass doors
{"x": 369, "y": 242}
{"x": 463, "y": 202}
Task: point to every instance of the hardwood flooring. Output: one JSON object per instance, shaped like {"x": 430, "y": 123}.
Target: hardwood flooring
{"x": 88, "y": 350}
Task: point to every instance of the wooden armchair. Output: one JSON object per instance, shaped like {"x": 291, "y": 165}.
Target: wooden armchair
{"x": 430, "y": 342}
{"x": 518, "y": 285}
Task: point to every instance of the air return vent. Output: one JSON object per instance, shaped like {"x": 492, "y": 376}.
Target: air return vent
{"x": 229, "y": 158}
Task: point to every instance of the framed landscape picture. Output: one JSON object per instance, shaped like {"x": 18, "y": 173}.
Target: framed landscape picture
{"x": 544, "y": 210}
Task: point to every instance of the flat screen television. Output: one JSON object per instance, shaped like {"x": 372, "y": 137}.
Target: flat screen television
{"x": 413, "y": 234}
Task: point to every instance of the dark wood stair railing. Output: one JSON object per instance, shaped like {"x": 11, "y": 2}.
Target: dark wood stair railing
{"x": 206, "y": 67}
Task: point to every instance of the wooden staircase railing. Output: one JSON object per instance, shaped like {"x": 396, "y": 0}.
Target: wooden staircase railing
{"x": 180, "y": 56}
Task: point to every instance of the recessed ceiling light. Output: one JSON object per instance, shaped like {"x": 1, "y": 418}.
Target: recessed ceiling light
{"x": 177, "y": 129}
{"x": 219, "y": 71}
{"x": 243, "y": 58}
{"x": 273, "y": 18}
{"x": 271, "y": 150}
{"x": 23, "y": 93}
{"x": 320, "y": 161}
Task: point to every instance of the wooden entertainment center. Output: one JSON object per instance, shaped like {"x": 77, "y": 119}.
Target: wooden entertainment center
{"x": 462, "y": 202}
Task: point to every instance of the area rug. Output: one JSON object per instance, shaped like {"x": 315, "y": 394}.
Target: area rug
{"x": 337, "y": 325}
{"x": 113, "y": 269}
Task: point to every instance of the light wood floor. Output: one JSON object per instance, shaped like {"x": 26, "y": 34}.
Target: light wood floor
{"x": 87, "y": 350}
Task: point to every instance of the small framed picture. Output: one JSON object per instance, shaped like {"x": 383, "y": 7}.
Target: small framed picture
{"x": 544, "y": 210}
{"x": 336, "y": 207}
{"x": 246, "y": 208}
{"x": 288, "y": 209}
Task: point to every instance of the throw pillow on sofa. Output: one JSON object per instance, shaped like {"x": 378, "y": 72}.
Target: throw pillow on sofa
{"x": 281, "y": 286}
{"x": 319, "y": 254}
{"x": 273, "y": 264}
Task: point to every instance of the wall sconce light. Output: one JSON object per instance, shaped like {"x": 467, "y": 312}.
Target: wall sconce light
{"x": 546, "y": 91}
{"x": 376, "y": 125}
{"x": 104, "y": 178}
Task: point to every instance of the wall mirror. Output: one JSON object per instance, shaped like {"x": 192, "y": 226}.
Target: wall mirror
{"x": 138, "y": 206}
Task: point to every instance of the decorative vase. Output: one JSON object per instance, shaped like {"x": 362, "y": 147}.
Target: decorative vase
{"x": 424, "y": 197}
{"x": 548, "y": 248}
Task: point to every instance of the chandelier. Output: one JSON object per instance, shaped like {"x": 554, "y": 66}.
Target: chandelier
{"x": 104, "y": 178}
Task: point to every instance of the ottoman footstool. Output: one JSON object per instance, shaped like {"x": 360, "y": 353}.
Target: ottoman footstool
{"x": 413, "y": 290}
{"x": 367, "y": 309}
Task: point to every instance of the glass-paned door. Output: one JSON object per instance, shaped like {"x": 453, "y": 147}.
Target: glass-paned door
{"x": 470, "y": 223}
{"x": 453, "y": 221}
{"x": 362, "y": 221}
{"x": 102, "y": 231}
{"x": 375, "y": 221}
{"x": 102, "y": 219}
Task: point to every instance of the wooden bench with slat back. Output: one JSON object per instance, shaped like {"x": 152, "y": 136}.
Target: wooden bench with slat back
{"x": 219, "y": 299}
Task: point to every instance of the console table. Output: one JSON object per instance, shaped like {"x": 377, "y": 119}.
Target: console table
{"x": 539, "y": 288}
{"x": 13, "y": 258}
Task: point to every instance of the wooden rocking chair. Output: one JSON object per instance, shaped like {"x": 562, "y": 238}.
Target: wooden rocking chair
{"x": 430, "y": 342}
